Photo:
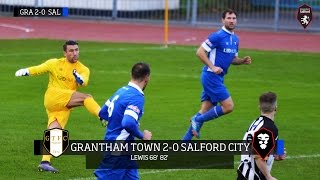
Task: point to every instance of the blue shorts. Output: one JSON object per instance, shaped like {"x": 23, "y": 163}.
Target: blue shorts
{"x": 115, "y": 174}
{"x": 214, "y": 89}
{"x": 117, "y": 167}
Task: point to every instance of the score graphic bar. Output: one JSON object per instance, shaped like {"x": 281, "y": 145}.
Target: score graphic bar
{"x": 40, "y": 12}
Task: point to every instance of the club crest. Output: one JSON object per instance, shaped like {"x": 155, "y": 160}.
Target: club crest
{"x": 56, "y": 141}
{"x": 304, "y": 15}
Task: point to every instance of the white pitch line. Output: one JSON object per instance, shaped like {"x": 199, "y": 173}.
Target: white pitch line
{"x": 174, "y": 170}
{"x": 16, "y": 27}
{"x": 190, "y": 39}
{"x": 83, "y": 51}
{"x": 172, "y": 42}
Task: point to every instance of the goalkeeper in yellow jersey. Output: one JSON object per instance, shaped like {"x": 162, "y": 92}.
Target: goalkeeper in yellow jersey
{"x": 66, "y": 75}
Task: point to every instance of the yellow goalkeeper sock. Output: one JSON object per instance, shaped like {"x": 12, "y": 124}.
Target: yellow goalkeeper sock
{"x": 46, "y": 158}
{"x": 92, "y": 106}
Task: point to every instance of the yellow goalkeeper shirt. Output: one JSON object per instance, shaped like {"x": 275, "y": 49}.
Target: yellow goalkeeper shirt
{"x": 60, "y": 73}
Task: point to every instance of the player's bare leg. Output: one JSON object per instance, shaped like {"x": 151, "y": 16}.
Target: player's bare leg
{"x": 205, "y": 106}
{"x": 81, "y": 99}
{"x": 45, "y": 164}
{"x": 77, "y": 99}
{"x": 54, "y": 124}
{"x": 227, "y": 105}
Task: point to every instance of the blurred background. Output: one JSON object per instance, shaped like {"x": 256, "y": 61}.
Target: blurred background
{"x": 270, "y": 15}
{"x": 114, "y": 34}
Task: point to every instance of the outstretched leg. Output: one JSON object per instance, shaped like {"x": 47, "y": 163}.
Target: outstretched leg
{"x": 225, "y": 107}
{"x": 81, "y": 99}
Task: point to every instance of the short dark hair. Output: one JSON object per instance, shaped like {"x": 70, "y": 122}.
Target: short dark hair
{"x": 268, "y": 102}
{"x": 140, "y": 70}
{"x": 69, "y": 42}
{"x": 228, "y": 11}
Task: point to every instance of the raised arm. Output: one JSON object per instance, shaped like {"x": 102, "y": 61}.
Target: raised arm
{"x": 34, "y": 70}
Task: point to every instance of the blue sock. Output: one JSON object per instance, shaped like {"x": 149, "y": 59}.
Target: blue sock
{"x": 213, "y": 113}
{"x": 189, "y": 135}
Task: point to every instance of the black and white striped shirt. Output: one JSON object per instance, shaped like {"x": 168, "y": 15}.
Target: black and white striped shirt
{"x": 248, "y": 168}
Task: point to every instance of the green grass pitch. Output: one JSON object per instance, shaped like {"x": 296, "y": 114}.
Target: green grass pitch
{"x": 172, "y": 97}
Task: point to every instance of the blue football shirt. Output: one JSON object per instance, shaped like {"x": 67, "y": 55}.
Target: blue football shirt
{"x": 127, "y": 101}
{"x": 222, "y": 47}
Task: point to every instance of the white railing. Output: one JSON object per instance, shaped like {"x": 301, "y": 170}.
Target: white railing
{"x": 274, "y": 15}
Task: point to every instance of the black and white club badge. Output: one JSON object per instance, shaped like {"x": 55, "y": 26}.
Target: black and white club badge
{"x": 304, "y": 15}
{"x": 56, "y": 141}
{"x": 263, "y": 142}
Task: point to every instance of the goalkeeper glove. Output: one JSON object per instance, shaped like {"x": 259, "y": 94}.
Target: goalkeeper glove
{"x": 78, "y": 77}
{"x": 22, "y": 72}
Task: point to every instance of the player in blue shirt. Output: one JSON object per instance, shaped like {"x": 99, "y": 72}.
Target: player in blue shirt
{"x": 217, "y": 52}
{"x": 123, "y": 111}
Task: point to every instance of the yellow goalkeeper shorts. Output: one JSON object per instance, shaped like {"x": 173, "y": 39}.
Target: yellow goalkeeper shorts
{"x": 60, "y": 116}
{"x": 55, "y": 101}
